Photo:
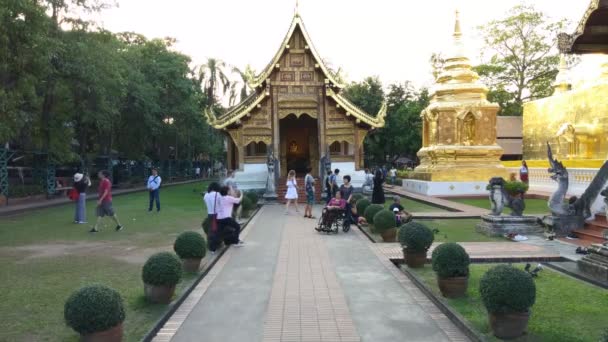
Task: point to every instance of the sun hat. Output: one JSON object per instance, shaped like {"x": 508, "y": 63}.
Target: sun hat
{"x": 78, "y": 177}
{"x": 395, "y": 210}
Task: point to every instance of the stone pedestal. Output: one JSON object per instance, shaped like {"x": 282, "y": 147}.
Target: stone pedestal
{"x": 455, "y": 188}
{"x": 500, "y": 225}
{"x": 596, "y": 262}
{"x": 564, "y": 225}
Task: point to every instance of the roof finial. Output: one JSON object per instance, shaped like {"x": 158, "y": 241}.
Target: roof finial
{"x": 297, "y": 10}
{"x": 457, "y": 30}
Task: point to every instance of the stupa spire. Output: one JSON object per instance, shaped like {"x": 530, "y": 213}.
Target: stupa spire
{"x": 457, "y": 30}
{"x": 297, "y": 9}
{"x": 562, "y": 81}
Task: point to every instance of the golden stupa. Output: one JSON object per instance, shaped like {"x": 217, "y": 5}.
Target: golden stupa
{"x": 459, "y": 125}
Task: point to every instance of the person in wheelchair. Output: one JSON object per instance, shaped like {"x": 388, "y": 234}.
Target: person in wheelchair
{"x": 332, "y": 213}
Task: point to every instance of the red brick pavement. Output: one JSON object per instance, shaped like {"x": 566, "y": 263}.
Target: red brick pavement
{"x": 306, "y": 302}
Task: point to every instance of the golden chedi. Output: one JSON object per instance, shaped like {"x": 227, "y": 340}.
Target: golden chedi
{"x": 459, "y": 126}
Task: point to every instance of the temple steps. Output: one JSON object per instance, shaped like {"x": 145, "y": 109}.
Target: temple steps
{"x": 593, "y": 231}
{"x": 282, "y": 189}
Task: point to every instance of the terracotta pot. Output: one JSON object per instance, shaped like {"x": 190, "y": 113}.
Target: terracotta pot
{"x": 159, "y": 294}
{"x": 191, "y": 265}
{"x": 454, "y": 287}
{"x": 389, "y": 235}
{"x": 111, "y": 335}
{"x": 414, "y": 259}
{"x": 510, "y": 325}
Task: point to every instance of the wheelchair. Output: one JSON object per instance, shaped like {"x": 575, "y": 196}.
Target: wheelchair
{"x": 332, "y": 220}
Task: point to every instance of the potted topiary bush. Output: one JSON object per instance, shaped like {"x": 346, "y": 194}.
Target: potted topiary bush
{"x": 253, "y": 196}
{"x": 357, "y": 197}
{"x": 191, "y": 248}
{"x": 361, "y": 205}
{"x": 385, "y": 223}
{"x": 96, "y": 312}
{"x": 160, "y": 274}
{"x": 508, "y": 294}
{"x": 416, "y": 239}
{"x": 247, "y": 204}
{"x": 451, "y": 264}
{"x": 371, "y": 211}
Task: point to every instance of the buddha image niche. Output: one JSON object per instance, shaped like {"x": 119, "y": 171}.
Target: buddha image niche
{"x": 293, "y": 147}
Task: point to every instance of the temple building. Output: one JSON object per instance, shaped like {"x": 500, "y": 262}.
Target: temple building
{"x": 297, "y": 111}
{"x": 459, "y": 143}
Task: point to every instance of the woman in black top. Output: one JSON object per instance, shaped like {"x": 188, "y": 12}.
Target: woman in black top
{"x": 81, "y": 183}
{"x": 378, "y": 193}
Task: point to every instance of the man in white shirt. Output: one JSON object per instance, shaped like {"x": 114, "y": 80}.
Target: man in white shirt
{"x": 154, "y": 188}
{"x": 393, "y": 174}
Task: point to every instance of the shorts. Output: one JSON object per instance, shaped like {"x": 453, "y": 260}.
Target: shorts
{"x": 105, "y": 209}
{"x": 310, "y": 197}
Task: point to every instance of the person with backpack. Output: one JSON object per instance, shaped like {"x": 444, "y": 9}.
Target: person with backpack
{"x": 154, "y": 188}
{"x": 333, "y": 181}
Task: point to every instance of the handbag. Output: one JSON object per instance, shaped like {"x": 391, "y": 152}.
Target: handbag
{"x": 73, "y": 194}
{"x": 214, "y": 219}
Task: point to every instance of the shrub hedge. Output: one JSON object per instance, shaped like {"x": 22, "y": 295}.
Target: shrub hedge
{"x": 506, "y": 289}
{"x": 451, "y": 260}
{"x": 417, "y": 237}
{"x": 384, "y": 220}
{"x": 162, "y": 269}
{"x": 361, "y": 205}
{"x": 247, "y": 204}
{"x": 371, "y": 211}
{"x": 253, "y": 196}
{"x": 516, "y": 187}
{"x": 93, "y": 309}
{"x": 357, "y": 197}
{"x": 190, "y": 245}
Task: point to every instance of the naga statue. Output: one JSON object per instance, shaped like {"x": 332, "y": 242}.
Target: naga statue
{"x": 499, "y": 198}
{"x": 576, "y": 206}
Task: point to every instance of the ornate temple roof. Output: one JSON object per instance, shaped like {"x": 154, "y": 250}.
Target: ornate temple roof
{"x": 358, "y": 113}
{"x": 297, "y": 22}
{"x": 234, "y": 114}
{"x": 591, "y": 35}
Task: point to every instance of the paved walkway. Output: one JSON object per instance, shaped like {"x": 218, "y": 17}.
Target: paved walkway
{"x": 290, "y": 283}
{"x": 456, "y": 209}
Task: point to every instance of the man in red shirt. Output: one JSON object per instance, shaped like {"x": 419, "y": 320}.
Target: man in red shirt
{"x": 104, "y": 202}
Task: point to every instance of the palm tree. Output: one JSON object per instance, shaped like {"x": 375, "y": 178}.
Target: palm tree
{"x": 232, "y": 98}
{"x": 247, "y": 76}
{"x": 211, "y": 75}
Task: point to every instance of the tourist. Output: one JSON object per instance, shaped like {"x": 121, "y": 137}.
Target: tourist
{"x": 154, "y": 189}
{"x": 230, "y": 182}
{"x": 212, "y": 202}
{"x": 328, "y": 186}
{"x": 292, "y": 192}
{"x": 81, "y": 183}
{"x": 401, "y": 216}
{"x": 346, "y": 189}
{"x": 378, "y": 193}
{"x": 393, "y": 173}
{"x": 524, "y": 172}
{"x": 369, "y": 179}
{"x": 104, "y": 202}
{"x": 229, "y": 229}
{"x": 309, "y": 183}
{"x": 197, "y": 172}
{"x": 337, "y": 202}
{"x": 354, "y": 214}
{"x": 333, "y": 181}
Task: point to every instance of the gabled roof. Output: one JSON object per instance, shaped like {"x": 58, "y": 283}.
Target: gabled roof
{"x": 296, "y": 23}
{"x": 235, "y": 113}
{"x": 591, "y": 35}
{"x": 358, "y": 113}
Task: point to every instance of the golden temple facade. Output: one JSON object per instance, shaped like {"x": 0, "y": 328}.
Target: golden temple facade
{"x": 574, "y": 122}
{"x": 298, "y": 110}
{"x": 459, "y": 125}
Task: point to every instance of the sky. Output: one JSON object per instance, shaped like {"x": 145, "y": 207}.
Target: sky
{"x": 392, "y": 39}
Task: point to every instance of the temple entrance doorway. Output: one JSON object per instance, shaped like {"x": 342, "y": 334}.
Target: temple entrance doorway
{"x": 299, "y": 144}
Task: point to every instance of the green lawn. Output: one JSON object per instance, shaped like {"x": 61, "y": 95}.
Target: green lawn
{"x": 566, "y": 309}
{"x": 451, "y": 230}
{"x": 533, "y": 206}
{"x": 44, "y": 258}
{"x": 411, "y": 205}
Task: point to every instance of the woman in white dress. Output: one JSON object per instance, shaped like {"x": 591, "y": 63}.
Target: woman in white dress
{"x": 292, "y": 191}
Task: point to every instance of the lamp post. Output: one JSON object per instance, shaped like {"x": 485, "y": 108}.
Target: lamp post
{"x": 169, "y": 121}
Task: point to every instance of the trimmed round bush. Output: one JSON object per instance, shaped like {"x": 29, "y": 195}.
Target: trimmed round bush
{"x": 247, "y": 203}
{"x": 451, "y": 260}
{"x": 190, "y": 245}
{"x": 162, "y": 269}
{"x": 371, "y": 211}
{"x": 93, "y": 309}
{"x": 417, "y": 237}
{"x": 253, "y": 196}
{"x": 361, "y": 205}
{"x": 357, "y": 197}
{"x": 384, "y": 220}
{"x": 506, "y": 289}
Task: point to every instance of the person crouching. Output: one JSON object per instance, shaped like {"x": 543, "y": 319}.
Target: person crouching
{"x": 229, "y": 228}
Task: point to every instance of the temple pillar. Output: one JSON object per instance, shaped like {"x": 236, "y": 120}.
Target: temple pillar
{"x": 276, "y": 134}
{"x": 321, "y": 122}
{"x": 356, "y": 151}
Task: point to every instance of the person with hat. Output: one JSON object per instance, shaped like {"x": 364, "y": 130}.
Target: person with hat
{"x": 401, "y": 216}
{"x": 154, "y": 188}
{"x": 81, "y": 183}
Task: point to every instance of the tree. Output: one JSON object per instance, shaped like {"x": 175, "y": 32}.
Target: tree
{"x": 246, "y": 76}
{"x": 214, "y": 78}
{"x": 368, "y": 95}
{"x": 522, "y": 57}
